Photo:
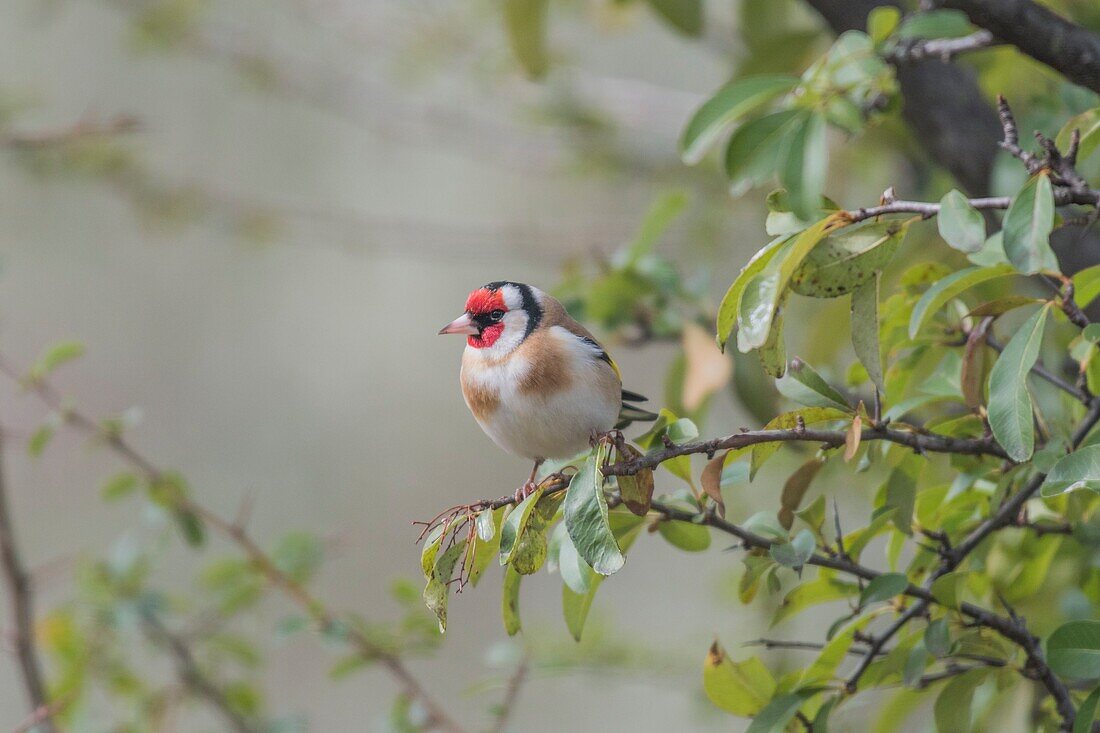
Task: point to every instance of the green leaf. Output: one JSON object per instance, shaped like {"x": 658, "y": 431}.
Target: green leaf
{"x": 299, "y": 554}
{"x": 946, "y": 589}
{"x": 762, "y": 294}
{"x": 856, "y": 541}
{"x": 901, "y": 491}
{"x": 796, "y": 553}
{"x": 777, "y": 713}
{"x": 486, "y": 525}
{"x": 865, "y": 327}
{"x": 1010, "y": 408}
{"x": 486, "y": 544}
{"x": 1088, "y": 123}
{"x": 1027, "y": 226}
{"x": 732, "y": 102}
{"x": 515, "y": 523}
{"x": 54, "y": 357}
{"x": 39, "y": 440}
{"x": 821, "y": 590}
{"x": 741, "y": 688}
{"x": 1086, "y": 714}
{"x": 430, "y": 551}
{"x": 960, "y": 224}
{"x": 1073, "y": 650}
{"x": 731, "y": 303}
{"x": 765, "y": 523}
{"x": 510, "y": 601}
{"x": 882, "y": 21}
{"x": 847, "y": 258}
{"x": 804, "y": 385}
{"x": 685, "y": 535}
{"x": 665, "y": 210}
{"x": 934, "y": 24}
{"x": 1086, "y": 285}
{"x": 586, "y": 518}
{"x": 883, "y": 588}
{"x": 1078, "y": 470}
{"x": 525, "y": 25}
{"x": 809, "y": 416}
{"x": 950, "y": 287}
{"x": 118, "y": 486}
{"x": 804, "y": 165}
{"x": 581, "y": 583}
{"x": 937, "y": 638}
{"x": 773, "y": 353}
{"x": 438, "y": 588}
{"x": 755, "y": 148}
{"x": 953, "y": 705}
{"x": 684, "y": 15}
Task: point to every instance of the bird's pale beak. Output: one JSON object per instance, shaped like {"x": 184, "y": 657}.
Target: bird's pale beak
{"x": 463, "y": 324}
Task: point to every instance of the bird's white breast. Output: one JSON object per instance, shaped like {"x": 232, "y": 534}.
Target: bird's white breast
{"x": 556, "y": 423}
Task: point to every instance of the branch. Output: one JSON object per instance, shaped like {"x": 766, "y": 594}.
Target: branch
{"x": 943, "y": 49}
{"x": 38, "y": 717}
{"x": 191, "y": 676}
{"x": 511, "y": 693}
{"x": 325, "y": 619}
{"x": 1040, "y": 33}
{"x": 82, "y": 130}
{"x": 17, "y": 586}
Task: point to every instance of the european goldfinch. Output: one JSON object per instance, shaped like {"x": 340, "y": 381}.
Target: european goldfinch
{"x": 536, "y": 381}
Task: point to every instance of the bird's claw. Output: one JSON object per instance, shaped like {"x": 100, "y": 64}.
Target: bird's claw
{"x": 524, "y": 491}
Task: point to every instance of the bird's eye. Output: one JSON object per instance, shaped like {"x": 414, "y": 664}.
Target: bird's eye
{"x": 496, "y": 315}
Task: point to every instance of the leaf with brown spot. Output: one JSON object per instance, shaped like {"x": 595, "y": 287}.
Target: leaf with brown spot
{"x": 795, "y": 488}
{"x": 852, "y": 438}
{"x": 637, "y": 490}
{"x": 708, "y": 369}
{"x": 712, "y": 481}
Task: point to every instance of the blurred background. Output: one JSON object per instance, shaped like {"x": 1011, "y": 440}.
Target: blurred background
{"x": 255, "y": 216}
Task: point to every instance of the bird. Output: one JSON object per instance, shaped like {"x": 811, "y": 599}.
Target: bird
{"x": 537, "y": 382}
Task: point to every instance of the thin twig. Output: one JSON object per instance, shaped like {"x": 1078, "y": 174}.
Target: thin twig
{"x": 17, "y": 587}
{"x": 191, "y": 675}
{"x": 511, "y": 693}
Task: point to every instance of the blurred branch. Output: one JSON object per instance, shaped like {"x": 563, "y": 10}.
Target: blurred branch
{"x": 191, "y": 676}
{"x": 296, "y": 592}
{"x": 17, "y": 586}
{"x": 82, "y": 130}
{"x": 943, "y": 49}
{"x": 511, "y": 693}
{"x": 36, "y": 720}
{"x": 1066, "y": 47}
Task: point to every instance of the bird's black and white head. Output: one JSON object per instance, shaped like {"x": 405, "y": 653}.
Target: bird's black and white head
{"x": 499, "y": 317}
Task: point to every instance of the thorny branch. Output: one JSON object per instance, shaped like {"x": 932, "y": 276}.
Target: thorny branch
{"x": 437, "y": 716}
{"x": 1070, "y": 188}
{"x": 18, "y": 589}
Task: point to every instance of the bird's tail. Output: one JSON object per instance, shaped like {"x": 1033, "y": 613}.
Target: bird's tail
{"x": 632, "y": 413}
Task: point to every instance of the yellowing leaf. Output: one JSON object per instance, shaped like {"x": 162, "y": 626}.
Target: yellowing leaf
{"x": 741, "y": 688}
{"x": 852, "y": 438}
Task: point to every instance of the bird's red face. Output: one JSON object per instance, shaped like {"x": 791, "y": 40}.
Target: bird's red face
{"x": 482, "y": 323}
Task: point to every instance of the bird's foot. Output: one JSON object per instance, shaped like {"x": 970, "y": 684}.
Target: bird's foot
{"x": 524, "y": 491}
